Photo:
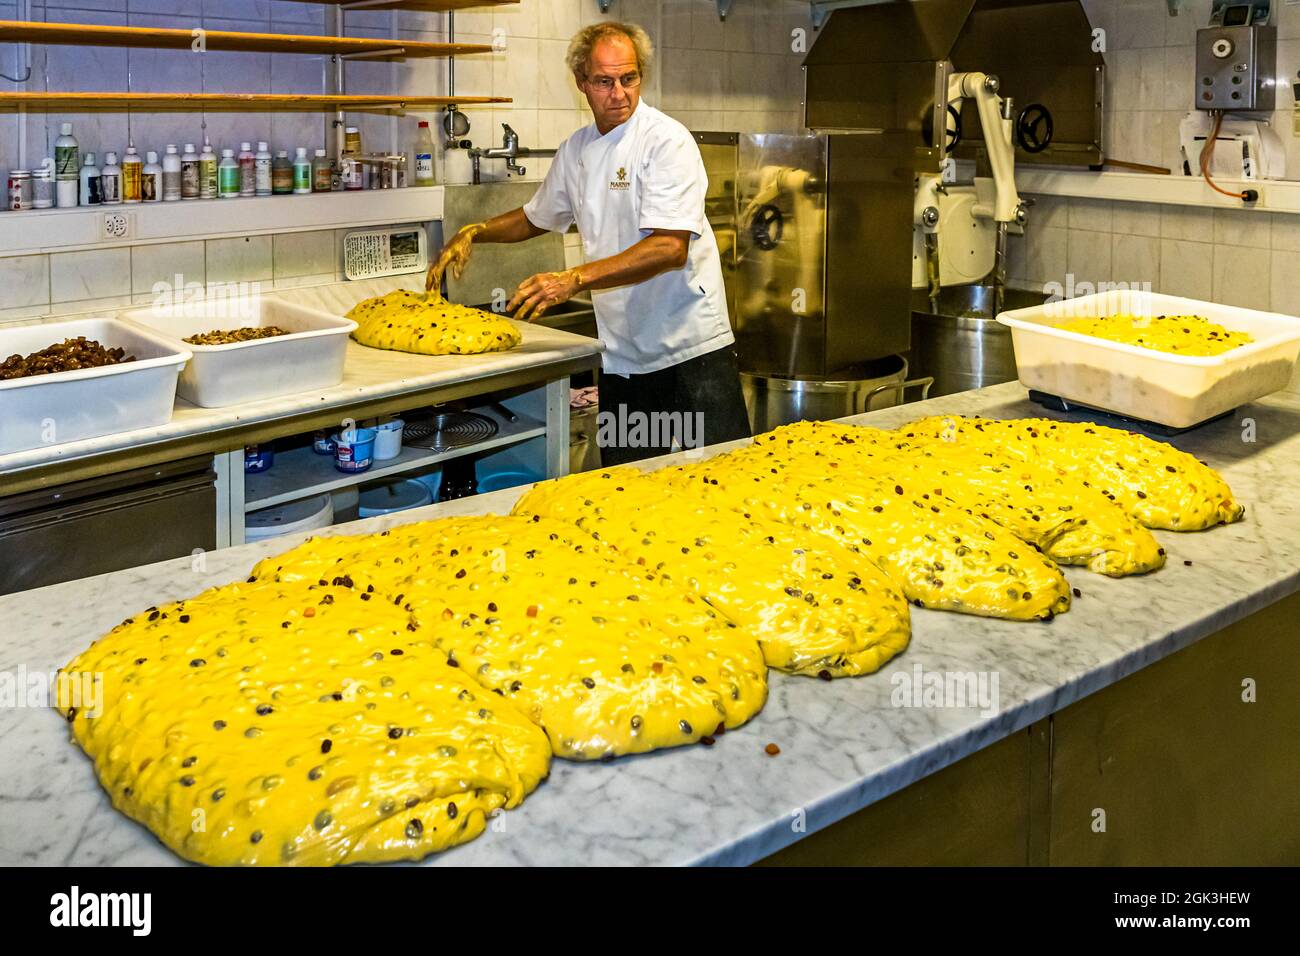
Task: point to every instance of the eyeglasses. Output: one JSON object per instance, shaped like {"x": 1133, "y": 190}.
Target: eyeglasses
{"x": 629, "y": 81}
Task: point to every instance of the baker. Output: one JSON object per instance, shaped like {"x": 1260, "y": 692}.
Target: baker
{"x": 634, "y": 183}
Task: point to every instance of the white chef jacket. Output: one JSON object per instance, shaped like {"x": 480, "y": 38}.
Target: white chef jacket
{"x": 644, "y": 174}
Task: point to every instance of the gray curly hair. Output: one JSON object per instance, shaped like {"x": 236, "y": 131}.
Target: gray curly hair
{"x": 579, "y": 52}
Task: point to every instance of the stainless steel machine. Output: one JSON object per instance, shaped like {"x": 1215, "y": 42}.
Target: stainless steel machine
{"x": 853, "y": 241}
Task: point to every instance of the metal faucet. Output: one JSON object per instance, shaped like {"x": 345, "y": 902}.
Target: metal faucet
{"x": 509, "y": 150}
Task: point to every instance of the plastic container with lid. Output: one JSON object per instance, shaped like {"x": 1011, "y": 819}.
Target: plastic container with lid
{"x": 1174, "y": 390}
{"x": 20, "y": 189}
{"x": 43, "y": 186}
{"x": 309, "y": 514}
{"x": 395, "y": 496}
{"x": 354, "y": 450}
{"x": 388, "y": 442}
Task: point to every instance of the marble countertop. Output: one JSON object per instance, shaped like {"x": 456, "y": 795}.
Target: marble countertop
{"x": 843, "y": 744}
{"x": 368, "y": 374}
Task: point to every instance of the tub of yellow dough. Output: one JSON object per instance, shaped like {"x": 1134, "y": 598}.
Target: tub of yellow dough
{"x": 405, "y": 321}
{"x": 302, "y": 724}
{"x": 607, "y": 656}
{"x": 1160, "y": 486}
{"x": 1045, "y": 506}
{"x": 816, "y": 608}
{"x": 1176, "y": 334}
{"x": 940, "y": 555}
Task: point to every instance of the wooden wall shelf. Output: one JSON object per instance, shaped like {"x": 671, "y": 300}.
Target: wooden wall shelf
{"x": 251, "y": 102}
{"x": 78, "y": 34}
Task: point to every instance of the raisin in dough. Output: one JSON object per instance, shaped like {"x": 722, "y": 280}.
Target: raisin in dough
{"x": 608, "y": 657}
{"x": 406, "y": 321}
{"x": 816, "y": 608}
{"x": 267, "y": 724}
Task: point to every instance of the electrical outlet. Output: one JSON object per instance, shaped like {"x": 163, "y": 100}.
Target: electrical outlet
{"x": 115, "y": 225}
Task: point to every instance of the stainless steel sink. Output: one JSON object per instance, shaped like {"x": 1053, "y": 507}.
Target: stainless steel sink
{"x": 576, "y": 316}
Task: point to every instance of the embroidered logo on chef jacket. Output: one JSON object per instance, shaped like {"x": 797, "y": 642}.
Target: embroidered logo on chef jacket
{"x": 621, "y": 182}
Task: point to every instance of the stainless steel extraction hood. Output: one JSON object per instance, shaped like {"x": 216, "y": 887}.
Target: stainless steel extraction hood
{"x": 874, "y": 67}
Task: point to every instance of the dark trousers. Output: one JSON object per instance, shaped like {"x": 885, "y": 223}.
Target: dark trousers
{"x": 698, "y": 402}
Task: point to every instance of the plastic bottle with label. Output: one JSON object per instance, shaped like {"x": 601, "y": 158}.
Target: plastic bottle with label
{"x": 282, "y": 174}
{"x": 228, "y": 175}
{"x": 262, "y": 170}
{"x": 190, "y": 173}
{"x": 88, "y": 193}
{"x": 207, "y": 171}
{"x": 151, "y": 179}
{"x": 424, "y": 156}
{"x": 132, "y": 174}
{"x": 66, "y": 157}
{"x": 301, "y": 173}
{"x": 110, "y": 181}
{"x": 322, "y": 173}
{"x": 171, "y": 165}
{"x": 247, "y": 170}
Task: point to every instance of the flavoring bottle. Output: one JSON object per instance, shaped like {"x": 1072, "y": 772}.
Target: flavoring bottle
{"x": 190, "y": 173}
{"x": 322, "y": 173}
{"x": 282, "y": 174}
{"x": 207, "y": 171}
{"x": 110, "y": 181}
{"x": 66, "y": 157}
{"x": 228, "y": 175}
{"x": 262, "y": 170}
{"x": 132, "y": 174}
{"x": 151, "y": 180}
{"x": 88, "y": 193}
{"x": 171, "y": 165}
{"x": 247, "y": 170}
{"x": 301, "y": 173}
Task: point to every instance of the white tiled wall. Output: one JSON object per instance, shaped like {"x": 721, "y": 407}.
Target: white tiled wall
{"x": 1150, "y": 82}
{"x": 739, "y": 75}
{"x": 1238, "y": 257}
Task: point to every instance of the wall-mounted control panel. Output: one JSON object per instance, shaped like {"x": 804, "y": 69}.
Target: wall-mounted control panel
{"x": 1236, "y": 68}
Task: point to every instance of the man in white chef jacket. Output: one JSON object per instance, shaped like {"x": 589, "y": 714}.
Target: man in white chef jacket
{"x": 635, "y": 184}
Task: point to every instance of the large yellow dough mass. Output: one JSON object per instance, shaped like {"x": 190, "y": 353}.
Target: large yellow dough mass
{"x": 410, "y": 322}
{"x": 608, "y": 657}
{"x": 816, "y": 607}
{"x": 1048, "y": 507}
{"x": 1177, "y": 334}
{"x": 940, "y": 555}
{"x": 306, "y": 725}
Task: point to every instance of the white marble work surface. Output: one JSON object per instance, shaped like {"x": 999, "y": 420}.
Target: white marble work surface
{"x": 368, "y": 374}
{"x": 843, "y": 745}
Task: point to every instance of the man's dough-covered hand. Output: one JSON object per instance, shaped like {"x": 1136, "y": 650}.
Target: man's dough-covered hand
{"x": 538, "y": 293}
{"x": 455, "y": 254}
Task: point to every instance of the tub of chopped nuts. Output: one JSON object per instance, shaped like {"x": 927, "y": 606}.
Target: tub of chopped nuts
{"x": 72, "y": 380}
{"x": 250, "y": 347}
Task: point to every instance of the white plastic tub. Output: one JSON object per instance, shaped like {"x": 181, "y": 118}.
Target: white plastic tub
{"x": 311, "y": 356}
{"x": 1174, "y": 390}
{"x": 40, "y": 410}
